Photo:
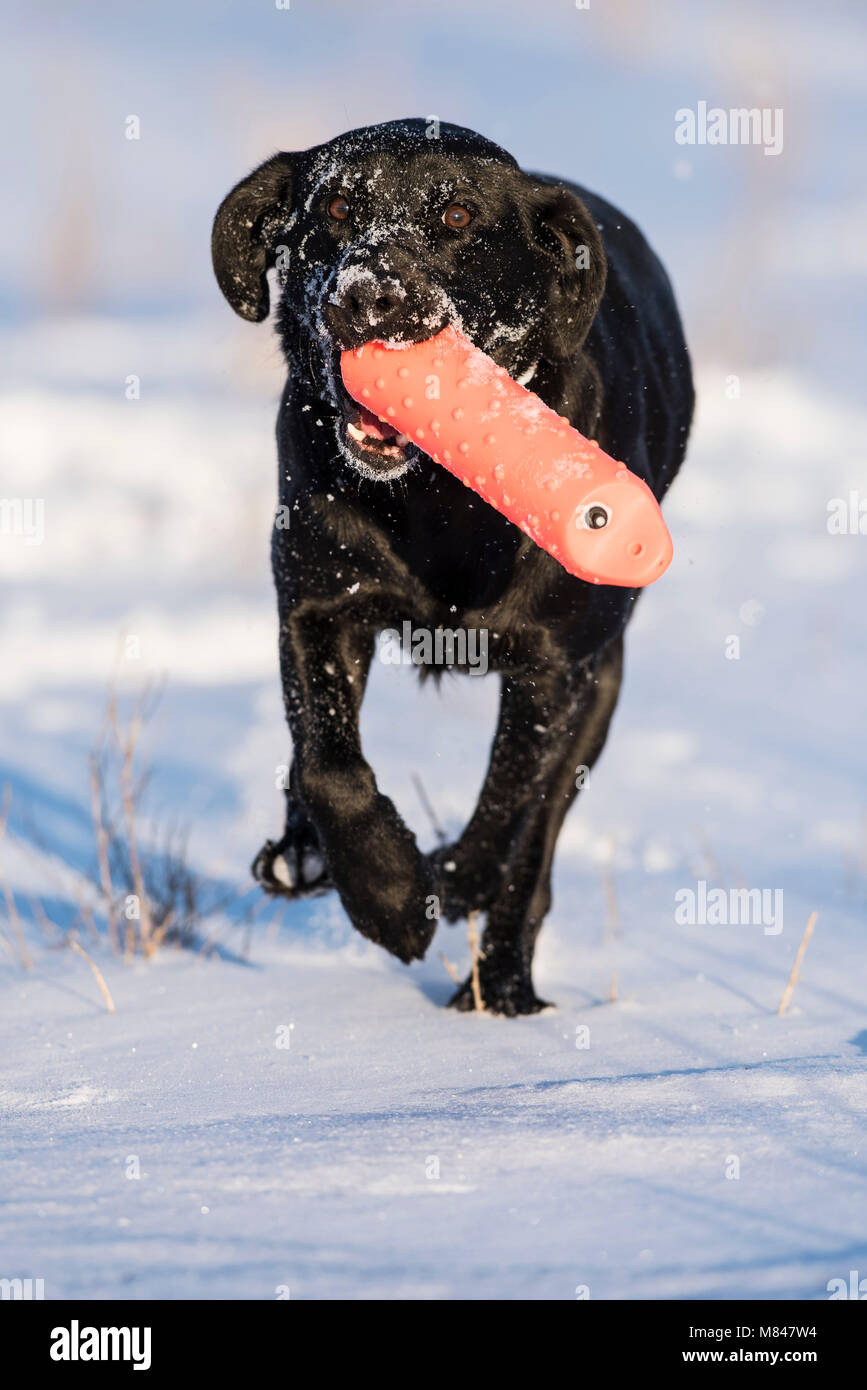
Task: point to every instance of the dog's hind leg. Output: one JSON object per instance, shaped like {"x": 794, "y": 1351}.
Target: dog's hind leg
{"x": 530, "y": 787}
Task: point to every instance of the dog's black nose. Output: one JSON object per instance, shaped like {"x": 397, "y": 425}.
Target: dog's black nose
{"x": 366, "y": 306}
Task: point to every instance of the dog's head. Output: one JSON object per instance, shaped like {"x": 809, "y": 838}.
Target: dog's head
{"x": 393, "y": 231}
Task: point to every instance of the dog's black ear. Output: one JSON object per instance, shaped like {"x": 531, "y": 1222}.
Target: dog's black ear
{"x": 243, "y": 240}
{"x": 565, "y": 229}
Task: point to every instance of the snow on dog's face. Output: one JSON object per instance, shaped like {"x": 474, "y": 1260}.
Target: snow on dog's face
{"x": 391, "y": 232}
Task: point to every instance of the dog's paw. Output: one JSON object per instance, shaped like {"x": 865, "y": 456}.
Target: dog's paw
{"x": 396, "y": 917}
{"x": 508, "y": 995}
{"x": 409, "y": 943}
{"x": 294, "y": 866}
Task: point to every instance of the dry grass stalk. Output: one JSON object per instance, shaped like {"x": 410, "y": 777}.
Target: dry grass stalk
{"x": 50, "y": 929}
{"x": 86, "y": 915}
{"x": 97, "y": 973}
{"x": 452, "y": 969}
{"x": 102, "y": 851}
{"x": 15, "y": 924}
{"x": 613, "y": 919}
{"x": 162, "y": 893}
{"x": 612, "y": 993}
{"x": 473, "y": 937}
{"x": 11, "y": 906}
{"x": 128, "y": 798}
{"x": 159, "y": 932}
{"x": 796, "y": 968}
{"x": 427, "y": 806}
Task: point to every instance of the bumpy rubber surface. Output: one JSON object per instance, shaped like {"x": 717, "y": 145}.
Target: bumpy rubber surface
{"x": 601, "y": 522}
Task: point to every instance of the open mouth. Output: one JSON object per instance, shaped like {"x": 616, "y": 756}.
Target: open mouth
{"x": 375, "y": 436}
{"x": 376, "y": 447}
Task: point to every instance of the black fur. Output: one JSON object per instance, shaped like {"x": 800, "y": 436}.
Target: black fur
{"x": 546, "y": 278}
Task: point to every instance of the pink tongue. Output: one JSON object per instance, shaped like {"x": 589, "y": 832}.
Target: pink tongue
{"x": 376, "y": 428}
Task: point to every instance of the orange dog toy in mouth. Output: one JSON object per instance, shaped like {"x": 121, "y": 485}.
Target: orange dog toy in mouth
{"x": 601, "y": 522}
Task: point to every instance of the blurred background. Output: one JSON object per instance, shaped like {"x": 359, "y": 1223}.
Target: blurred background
{"x": 140, "y": 410}
{"x": 137, "y": 488}
{"x": 116, "y": 227}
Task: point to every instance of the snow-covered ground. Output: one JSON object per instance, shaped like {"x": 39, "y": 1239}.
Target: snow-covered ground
{"x": 680, "y": 1141}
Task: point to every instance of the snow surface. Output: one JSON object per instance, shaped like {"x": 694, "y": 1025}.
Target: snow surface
{"x": 560, "y": 1166}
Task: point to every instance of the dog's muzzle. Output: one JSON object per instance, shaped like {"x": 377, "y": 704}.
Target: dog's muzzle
{"x": 391, "y": 305}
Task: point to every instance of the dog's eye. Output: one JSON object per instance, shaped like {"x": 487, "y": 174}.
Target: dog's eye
{"x": 338, "y": 208}
{"x": 456, "y": 215}
{"x": 596, "y": 517}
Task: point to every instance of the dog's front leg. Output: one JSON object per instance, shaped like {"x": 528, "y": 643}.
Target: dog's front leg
{"x": 553, "y": 726}
{"x": 384, "y": 882}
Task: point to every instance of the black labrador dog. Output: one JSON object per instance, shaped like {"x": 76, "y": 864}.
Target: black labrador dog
{"x": 391, "y": 232}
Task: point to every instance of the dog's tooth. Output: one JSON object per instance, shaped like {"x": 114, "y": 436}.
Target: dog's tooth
{"x": 357, "y": 432}
{"x": 402, "y": 440}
